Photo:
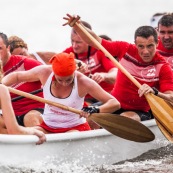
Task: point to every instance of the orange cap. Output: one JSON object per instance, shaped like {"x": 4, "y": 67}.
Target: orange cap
{"x": 63, "y": 64}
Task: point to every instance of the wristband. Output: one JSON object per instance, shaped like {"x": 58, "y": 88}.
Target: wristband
{"x": 97, "y": 109}
{"x": 91, "y": 109}
{"x": 155, "y": 91}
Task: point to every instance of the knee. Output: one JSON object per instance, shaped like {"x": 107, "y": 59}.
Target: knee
{"x": 32, "y": 118}
{"x": 131, "y": 115}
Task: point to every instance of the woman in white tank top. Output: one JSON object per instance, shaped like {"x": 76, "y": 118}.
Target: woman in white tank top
{"x": 63, "y": 84}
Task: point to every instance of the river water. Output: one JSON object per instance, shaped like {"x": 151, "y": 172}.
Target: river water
{"x": 39, "y": 23}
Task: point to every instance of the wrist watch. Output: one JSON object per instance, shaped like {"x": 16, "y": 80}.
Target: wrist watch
{"x": 155, "y": 91}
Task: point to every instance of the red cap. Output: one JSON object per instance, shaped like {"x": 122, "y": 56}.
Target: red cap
{"x": 63, "y": 64}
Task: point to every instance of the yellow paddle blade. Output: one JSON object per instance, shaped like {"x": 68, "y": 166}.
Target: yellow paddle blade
{"x": 165, "y": 132}
{"x": 162, "y": 111}
{"x": 123, "y": 127}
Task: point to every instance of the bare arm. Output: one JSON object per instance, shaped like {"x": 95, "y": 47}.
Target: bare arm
{"x": 145, "y": 89}
{"x": 38, "y": 73}
{"x": 168, "y": 96}
{"x": 71, "y": 20}
{"x": 10, "y": 120}
{"x": 110, "y": 103}
{"x": 108, "y": 77}
{"x": 45, "y": 56}
{"x": 88, "y": 86}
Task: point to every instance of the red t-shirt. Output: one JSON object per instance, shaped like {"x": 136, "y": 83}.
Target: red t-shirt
{"x": 21, "y": 63}
{"x": 167, "y": 53}
{"x": 156, "y": 74}
{"x": 97, "y": 62}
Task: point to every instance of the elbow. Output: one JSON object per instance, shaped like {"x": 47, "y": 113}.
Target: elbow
{"x": 118, "y": 105}
{"x": 3, "y": 81}
{"x": 113, "y": 75}
{"x": 113, "y": 79}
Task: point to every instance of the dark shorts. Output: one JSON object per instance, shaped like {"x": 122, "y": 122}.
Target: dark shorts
{"x": 143, "y": 115}
{"x": 21, "y": 117}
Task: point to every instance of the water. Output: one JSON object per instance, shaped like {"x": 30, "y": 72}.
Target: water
{"x": 39, "y": 23}
{"x": 160, "y": 160}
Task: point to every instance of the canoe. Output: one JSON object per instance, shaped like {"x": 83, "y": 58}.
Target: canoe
{"x": 85, "y": 148}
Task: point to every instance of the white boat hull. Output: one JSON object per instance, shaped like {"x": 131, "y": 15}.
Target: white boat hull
{"x": 88, "y": 148}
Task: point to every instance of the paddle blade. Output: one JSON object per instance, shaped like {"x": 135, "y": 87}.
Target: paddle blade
{"x": 123, "y": 127}
{"x": 165, "y": 132}
{"x": 162, "y": 111}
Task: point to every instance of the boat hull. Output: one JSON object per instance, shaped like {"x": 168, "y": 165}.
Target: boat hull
{"x": 88, "y": 148}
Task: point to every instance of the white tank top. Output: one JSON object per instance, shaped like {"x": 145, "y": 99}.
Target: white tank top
{"x": 55, "y": 117}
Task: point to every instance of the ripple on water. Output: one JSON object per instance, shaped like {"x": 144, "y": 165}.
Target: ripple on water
{"x": 159, "y": 160}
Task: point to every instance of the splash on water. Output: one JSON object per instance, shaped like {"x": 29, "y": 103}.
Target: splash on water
{"x": 159, "y": 160}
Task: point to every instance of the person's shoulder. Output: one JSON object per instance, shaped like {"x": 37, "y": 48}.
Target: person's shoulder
{"x": 43, "y": 69}
{"x": 68, "y": 50}
{"x": 46, "y": 67}
{"x": 116, "y": 43}
{"x": 17, "y": 57}
{"x": 131, "y": 47}
{"x": 159, "y": 57}
{"x": 81, "y": 77}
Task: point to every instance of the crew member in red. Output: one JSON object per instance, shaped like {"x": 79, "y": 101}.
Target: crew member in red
{"x": 165, "y": 33}
{"x": 99, "y": 67}
{"x": 27, "y": 111}
{"x": 143, "y": 62}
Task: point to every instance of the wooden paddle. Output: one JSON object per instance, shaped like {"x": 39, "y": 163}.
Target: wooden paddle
{"x": 161, "y": 109}
{"x": 21, "y": 97}
{"x": 120, "y": 126}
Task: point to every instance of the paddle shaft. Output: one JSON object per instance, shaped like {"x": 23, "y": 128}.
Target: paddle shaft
{"x": 21, "y": 97}
{"x": 39, "y": 99}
